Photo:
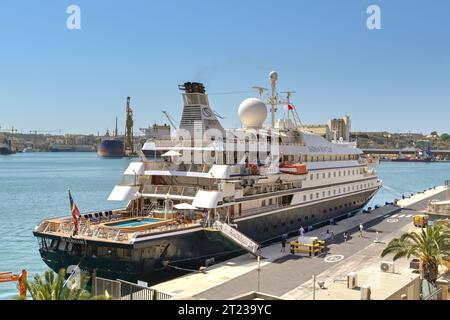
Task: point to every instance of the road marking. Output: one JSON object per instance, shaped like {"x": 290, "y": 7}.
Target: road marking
{"x": 409, "y": 216}
{"x": 395, "y": 215}
{"x": 401, "y": 216}
{"x": 334, "y": 258}
{"x": 392, "y": 220}
{"x": 387, "y": 216}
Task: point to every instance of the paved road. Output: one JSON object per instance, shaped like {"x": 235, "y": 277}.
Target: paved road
{"x": 290, "y": 271}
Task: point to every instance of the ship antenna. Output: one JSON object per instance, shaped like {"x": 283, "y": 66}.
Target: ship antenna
{"x": 116, "y": 133}
{"x": 261, "y": 91}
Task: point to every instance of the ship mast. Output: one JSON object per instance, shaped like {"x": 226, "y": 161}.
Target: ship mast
{"x": 295, "y": 116}
{"x": 116, "y": 133}
{"x": 273, "y": 100}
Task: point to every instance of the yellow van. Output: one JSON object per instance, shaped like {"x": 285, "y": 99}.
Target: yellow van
{"x": 421, "y": 220}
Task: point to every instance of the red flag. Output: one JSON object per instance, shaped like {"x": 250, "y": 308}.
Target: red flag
{"x": 290, "y": 107}
{"x": 75, "y": 214}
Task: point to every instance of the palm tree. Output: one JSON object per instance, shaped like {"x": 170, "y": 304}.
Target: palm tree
{"x": 429, "y": 246}
{"x": 51, "y": 287}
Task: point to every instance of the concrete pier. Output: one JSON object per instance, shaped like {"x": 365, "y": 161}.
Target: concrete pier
{"x": 289, "y": 276}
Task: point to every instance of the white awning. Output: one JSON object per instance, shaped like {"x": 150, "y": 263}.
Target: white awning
{"x": 220, "y": 171}
{"x": 184, "y": 206}
{"x": 207, "y": 199}
{"x": 135, "y": 168}
{"x": 171, "y": 153}
{"x": 149, "y": 146}
{"x": 123, "y": 193}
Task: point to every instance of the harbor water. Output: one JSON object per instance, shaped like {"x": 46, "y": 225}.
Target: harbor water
{"x": 33, "y": 186}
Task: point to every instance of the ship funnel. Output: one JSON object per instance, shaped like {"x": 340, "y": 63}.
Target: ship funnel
{"x": 197, "y": 109}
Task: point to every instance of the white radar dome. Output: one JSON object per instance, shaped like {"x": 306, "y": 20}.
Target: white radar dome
{"x": 252, "y": 112}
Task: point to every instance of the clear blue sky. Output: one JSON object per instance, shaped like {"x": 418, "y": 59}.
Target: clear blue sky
{"x": 395, "y": 79}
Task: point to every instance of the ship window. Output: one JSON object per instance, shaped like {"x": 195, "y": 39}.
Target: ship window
{"x": 54, "y": 244}
{"x": 323, "y": 175}
{"x": 311, "y": 196}
{"x": 306, "y": 217}
{"x": 329, "y": 192}
{"x": 312, "y": 216}
{"x": 311, "y": 177}
{"x": 323, "y": 194}
{"x": 334, "y": 174}
{"x": 304, "y": 197}
{"x": 339, "y": 173}
{"x": 329, "y": 174}
{"x": 62, "y": 245}
{"x": 317, "y": 195}
{"x": 318, "y": 177}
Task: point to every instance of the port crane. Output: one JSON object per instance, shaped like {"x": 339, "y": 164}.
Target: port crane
{"x": 11, "y": 277}
{"x": 129, "y": 137}
{"x": 171, "y": 120}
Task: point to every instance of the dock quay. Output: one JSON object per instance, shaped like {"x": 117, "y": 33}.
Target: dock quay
{"x": 289, "y": 276}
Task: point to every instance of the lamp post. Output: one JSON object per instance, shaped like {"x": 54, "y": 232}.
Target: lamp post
{"x": 314, "y": 287}
{"x": 259, "y": 273}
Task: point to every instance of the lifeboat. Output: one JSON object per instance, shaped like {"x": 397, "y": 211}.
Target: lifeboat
{"x": 295, "y": 168}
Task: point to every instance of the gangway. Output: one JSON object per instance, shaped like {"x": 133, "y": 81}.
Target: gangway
{"x": 237, "y": 237}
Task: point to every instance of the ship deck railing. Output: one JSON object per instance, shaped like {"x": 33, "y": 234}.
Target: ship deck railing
{"x": 182, "y": 167}
{"x": 99, "y": 231}
{"x": 185, "y": 191}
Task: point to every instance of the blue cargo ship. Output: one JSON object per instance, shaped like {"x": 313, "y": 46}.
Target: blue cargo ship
{"x": 111, "y": 146}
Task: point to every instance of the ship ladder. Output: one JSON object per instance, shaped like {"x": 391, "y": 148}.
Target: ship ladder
{"x": 237, "y": 237}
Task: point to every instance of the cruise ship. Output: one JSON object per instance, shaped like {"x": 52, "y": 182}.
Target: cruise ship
{"x": 209, "y": 194}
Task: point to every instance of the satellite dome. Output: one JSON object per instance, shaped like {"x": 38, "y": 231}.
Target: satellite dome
{"x": 252, "y": 112}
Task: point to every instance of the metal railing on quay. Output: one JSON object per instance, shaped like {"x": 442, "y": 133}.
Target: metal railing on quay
{"x": 124, "y": 290}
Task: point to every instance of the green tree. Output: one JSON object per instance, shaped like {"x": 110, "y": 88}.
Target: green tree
{"x": 434, "y": 133}
{"x": 52, "y": 286}
{"x": 445, "y": 137}
{"x": 430, "y": 246}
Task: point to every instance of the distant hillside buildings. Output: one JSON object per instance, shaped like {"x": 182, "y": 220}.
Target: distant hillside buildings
{"x": 335, "y": 129}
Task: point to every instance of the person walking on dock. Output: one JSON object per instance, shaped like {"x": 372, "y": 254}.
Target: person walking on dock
{"x": 345, "y": 236}
{"x": 301, "y": 231}
{"x": 283, "y": 242}
{"x": 361, "y": 228}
